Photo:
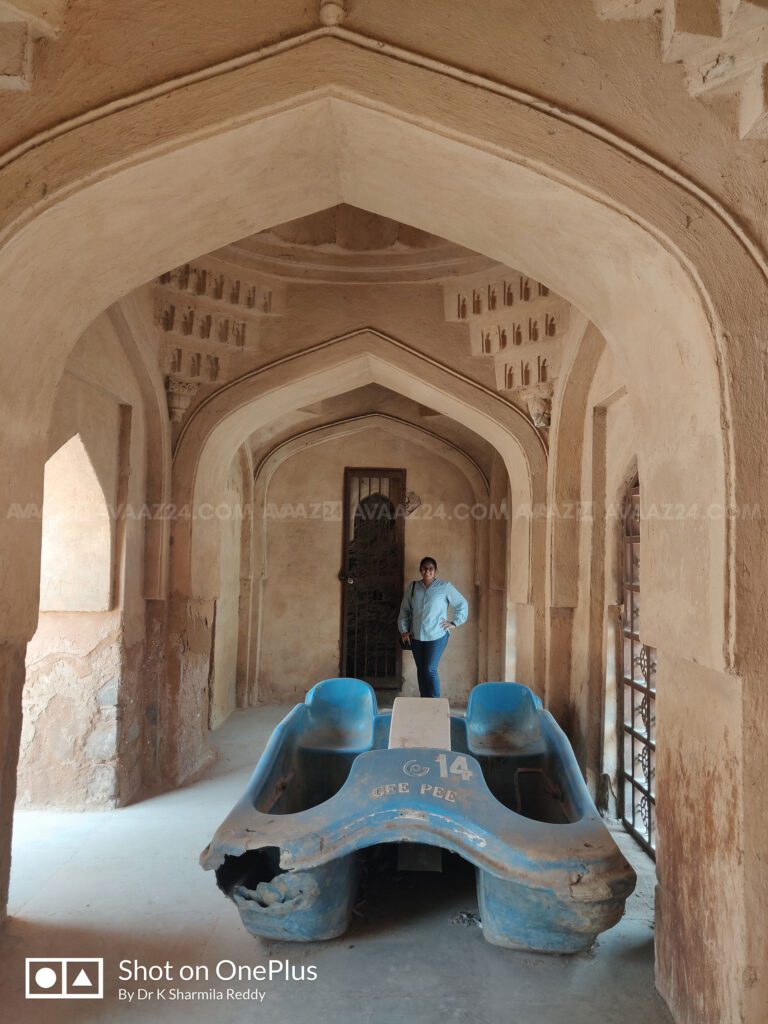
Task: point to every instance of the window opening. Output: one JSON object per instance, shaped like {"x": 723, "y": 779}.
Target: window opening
{"x": 637, "y": 711}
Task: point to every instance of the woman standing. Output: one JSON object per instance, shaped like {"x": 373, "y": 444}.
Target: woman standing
{"x": 423, "y": 620}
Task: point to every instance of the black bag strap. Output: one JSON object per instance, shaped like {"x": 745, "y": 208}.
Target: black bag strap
{"x": 413, "y": 587}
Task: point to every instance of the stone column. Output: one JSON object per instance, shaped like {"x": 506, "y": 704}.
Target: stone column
{"x": 21, "y": 500}
{"x": 183, "y": 736}
{"x": 11, "y": 684}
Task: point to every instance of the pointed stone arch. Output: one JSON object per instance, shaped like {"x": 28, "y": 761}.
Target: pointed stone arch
{"x": 535, "y": 213}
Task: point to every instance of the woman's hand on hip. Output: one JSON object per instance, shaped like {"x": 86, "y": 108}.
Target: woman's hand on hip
{"x": 447, "y": 626}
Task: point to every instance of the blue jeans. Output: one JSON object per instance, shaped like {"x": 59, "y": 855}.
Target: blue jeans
{"x": 426, "y": 654}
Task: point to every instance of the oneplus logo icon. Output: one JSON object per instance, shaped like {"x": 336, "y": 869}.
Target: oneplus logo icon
{"x": 65, "y": 977}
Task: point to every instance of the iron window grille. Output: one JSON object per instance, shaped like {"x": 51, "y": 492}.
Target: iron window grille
{"x": 637, "y": 700}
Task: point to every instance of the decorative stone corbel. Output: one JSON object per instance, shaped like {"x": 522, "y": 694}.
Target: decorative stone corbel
{"x": 539, "y": 401}
{"x": 180, "y": 394}
{"x": 332, "y": 12}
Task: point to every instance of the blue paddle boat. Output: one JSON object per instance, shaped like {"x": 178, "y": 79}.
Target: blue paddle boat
{"x": 498, "y": 786}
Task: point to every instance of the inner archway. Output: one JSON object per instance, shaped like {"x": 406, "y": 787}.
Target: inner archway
{"x": 221, "y": 426}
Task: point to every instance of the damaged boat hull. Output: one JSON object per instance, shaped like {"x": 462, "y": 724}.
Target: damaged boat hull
{"x": 507, "y": 796}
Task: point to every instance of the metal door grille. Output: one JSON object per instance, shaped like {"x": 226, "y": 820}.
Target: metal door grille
{"x": 637, "y": 712}
{"x": 372, "y": 575}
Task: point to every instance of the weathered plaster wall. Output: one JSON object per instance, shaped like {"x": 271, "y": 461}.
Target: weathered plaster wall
{"x": 69, "y": 739}
{"x": 101, "y": 359}
{"x": 183, "y": 692}
{"x": 415, "y": 198}
{"x": 223, "y": 695}
{"x": 362, "y": 409}
{"x": 700, "y": 814}
{"x": 372, "y": 399}
{"x": 246, "y": 636}
{"x": 302, "y": 594}
{"x": 105, "y": 58}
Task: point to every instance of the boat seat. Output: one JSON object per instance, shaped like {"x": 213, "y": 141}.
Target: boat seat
{"x": 503, "y": 718}
{"x": 417, "y": 722}
{"x": 339, "y": 716}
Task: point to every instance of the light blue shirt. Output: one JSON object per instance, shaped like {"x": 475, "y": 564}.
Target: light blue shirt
{"x": 422, "y": 614}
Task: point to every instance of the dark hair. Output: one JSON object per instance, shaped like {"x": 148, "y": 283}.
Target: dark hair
{"x": 427, "y": 561}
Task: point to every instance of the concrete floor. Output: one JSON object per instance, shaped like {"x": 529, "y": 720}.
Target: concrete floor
{"x": 126, "y": 885}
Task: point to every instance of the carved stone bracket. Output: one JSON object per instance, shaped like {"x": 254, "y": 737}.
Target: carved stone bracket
{"x": 520, "y": 324}
{"x": 539, "y": 401}
{"x": 180, "y": 394}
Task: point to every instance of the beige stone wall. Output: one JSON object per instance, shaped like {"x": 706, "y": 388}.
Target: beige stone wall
{"x": 701, "y": 814}
{"x": 301, "y": 601}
